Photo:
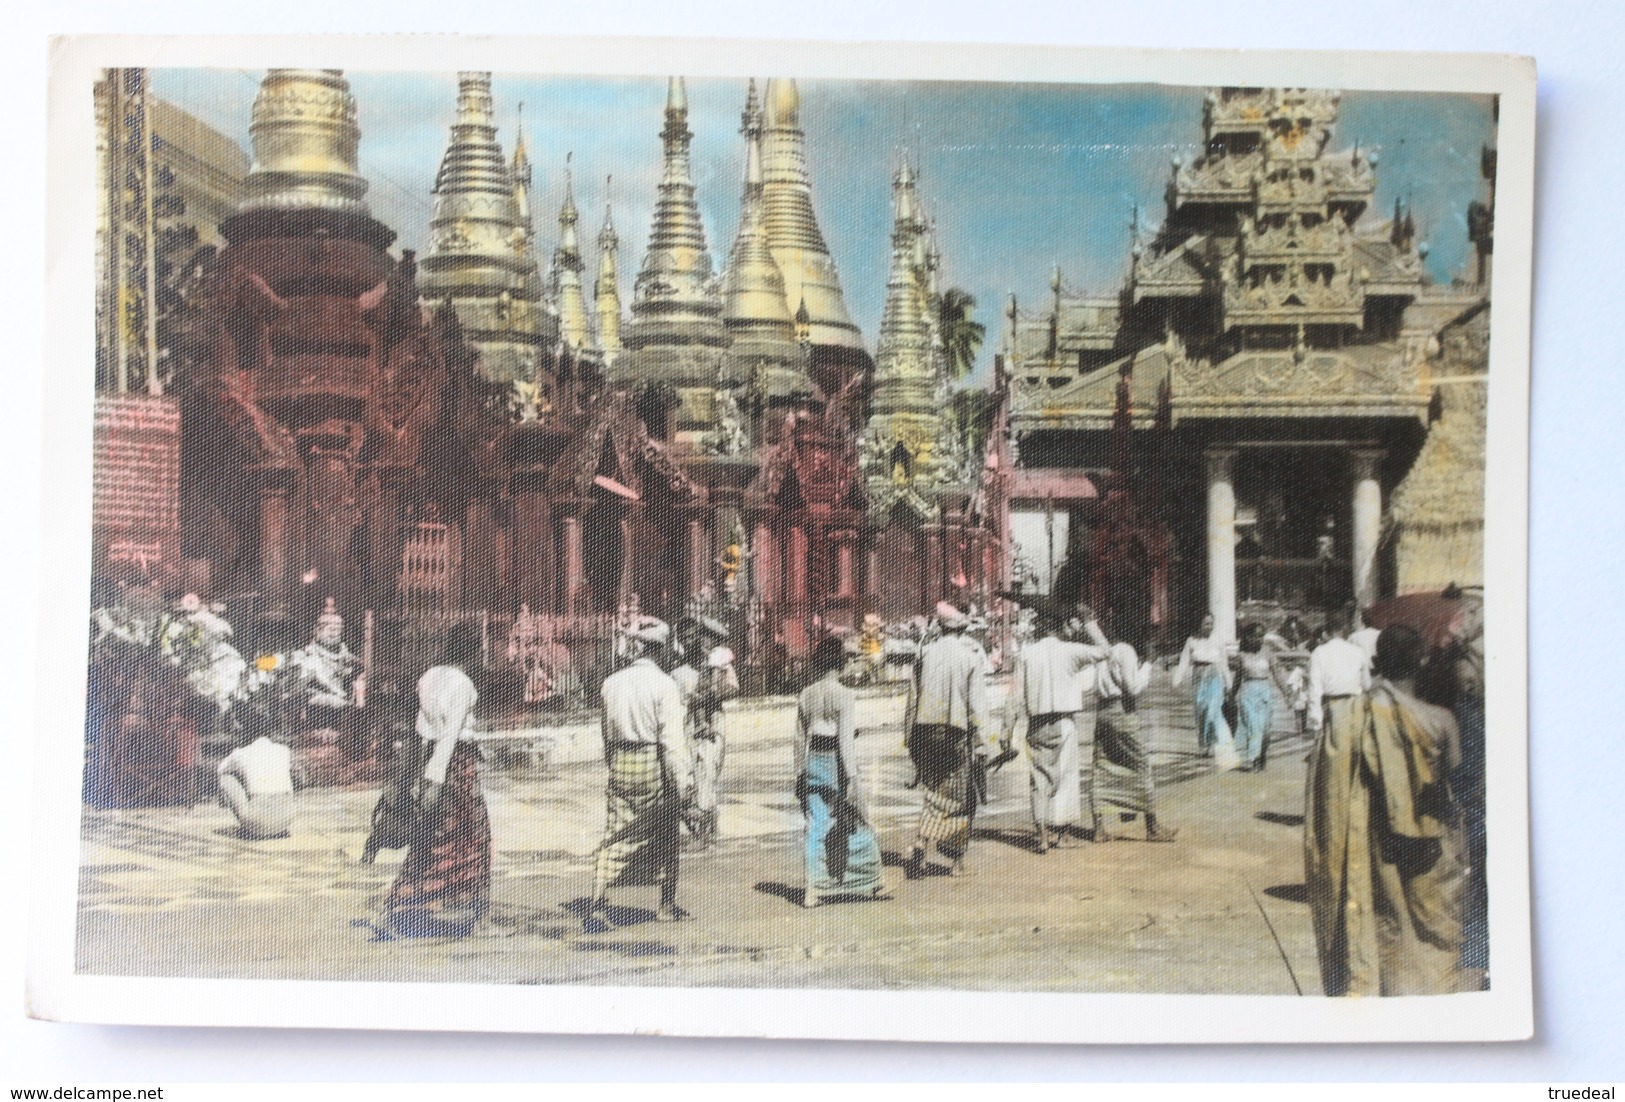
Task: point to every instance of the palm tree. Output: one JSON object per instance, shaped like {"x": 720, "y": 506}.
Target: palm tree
{"x": 962, "y": 334}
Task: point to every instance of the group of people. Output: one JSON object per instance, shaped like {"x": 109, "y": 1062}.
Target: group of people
{"x": 1390, "y": 859}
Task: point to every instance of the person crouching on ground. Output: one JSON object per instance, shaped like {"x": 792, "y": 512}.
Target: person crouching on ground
{"x": 444, "y": 886}
{"x": 842, "y": 852}
{"x": 651, "y": 776}
{"x": 945, "y": 741}
{"x": 256, "y": 783}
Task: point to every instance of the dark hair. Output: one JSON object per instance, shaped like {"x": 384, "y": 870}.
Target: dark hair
{"x": 828, "y": 655}
{"x": 464, "y": 646}
{"x": 1252, "y": 638}
{"x": 1400, "y": 652}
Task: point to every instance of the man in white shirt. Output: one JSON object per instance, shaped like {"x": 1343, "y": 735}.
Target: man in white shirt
{"x": 1366, "y": 639}
{"x": 1339, "y": 672}
{"x": 651, "y": 775}
{"x": 256, "y": 783}
{"x": 1053, "y": 684}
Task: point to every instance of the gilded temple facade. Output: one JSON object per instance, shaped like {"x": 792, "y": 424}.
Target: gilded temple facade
{"x": 1247, "y": 412}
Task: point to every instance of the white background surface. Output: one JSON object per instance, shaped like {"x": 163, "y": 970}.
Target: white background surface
{"x": 1576, "y": 739}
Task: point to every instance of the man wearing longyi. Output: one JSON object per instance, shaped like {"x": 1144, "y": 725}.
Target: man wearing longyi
{"x": 651, "y": 775}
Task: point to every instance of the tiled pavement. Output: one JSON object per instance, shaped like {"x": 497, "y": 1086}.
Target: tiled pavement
{"x": 173, "y": 891}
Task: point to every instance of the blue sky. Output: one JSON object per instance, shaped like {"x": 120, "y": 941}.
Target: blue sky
{"x": 1019, "y": 177}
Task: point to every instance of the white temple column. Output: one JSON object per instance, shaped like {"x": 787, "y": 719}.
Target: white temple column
{"x": 1367, "y": 524}
{"x": 1221, "y": 541}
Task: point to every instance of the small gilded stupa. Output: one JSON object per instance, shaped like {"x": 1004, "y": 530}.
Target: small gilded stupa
{"x": 481, "y": 247}
{"x": 676, "y": 337}
{"x": 606, "y": 290}
{"x": 569, "y": 293}
{"x": 902, "y": 443}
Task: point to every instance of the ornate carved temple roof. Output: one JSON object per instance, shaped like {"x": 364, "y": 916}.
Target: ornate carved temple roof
{"x": 481, "y": 249}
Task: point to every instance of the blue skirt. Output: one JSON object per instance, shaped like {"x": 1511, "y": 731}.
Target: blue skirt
{"x": 843, "y": 854}
{"x": 1211, "y": 728}
{"x": 1255, "y": 707}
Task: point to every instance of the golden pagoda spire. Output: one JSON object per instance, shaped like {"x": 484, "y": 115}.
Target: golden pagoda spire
{"x": 305, "y": 140}
{"x": 754, "y": 296}
{"x": 607, "y": 289}
{"x": 792, "y": 227}
{"x": 481, "y": 249}
{"x": 569, "y": 296}
{"x": 676, "y": 332}
{"x": 755, "y": 306}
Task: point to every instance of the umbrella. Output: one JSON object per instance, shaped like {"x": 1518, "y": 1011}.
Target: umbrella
{"x": 1438, "y": 617}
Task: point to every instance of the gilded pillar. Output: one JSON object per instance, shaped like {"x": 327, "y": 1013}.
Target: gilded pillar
{"x": 698, "y": 555}
{"x": 1366, "y": 529}
{"x": 1221, "y": 541}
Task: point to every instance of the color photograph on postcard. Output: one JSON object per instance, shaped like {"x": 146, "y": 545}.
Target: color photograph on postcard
{"x": 792, "y": 532}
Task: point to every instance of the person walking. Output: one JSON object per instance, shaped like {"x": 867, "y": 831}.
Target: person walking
{"x": 706, "y": 679}
{"x": 1255, "y": 699}
{"x": 841, "y": 850}
{"x": 1120, "y": 774}
{"x": 1383, "y": 853}
{"x": 1205, "y": 662}
{"x": 651, "y": 775}
{"x": 945, "y": 740}
{"x": 444, "y": 886}
{"x": 1052, "y": 687}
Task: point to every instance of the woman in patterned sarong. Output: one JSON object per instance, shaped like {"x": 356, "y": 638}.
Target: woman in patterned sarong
{"x": 842, "y": 852}
{"x": 1383, "y": 854}
{"x": 1205, "y": 662}
{"x": 444, "y": 886}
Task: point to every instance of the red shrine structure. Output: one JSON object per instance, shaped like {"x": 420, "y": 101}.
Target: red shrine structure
{"x": 460, "y": 434}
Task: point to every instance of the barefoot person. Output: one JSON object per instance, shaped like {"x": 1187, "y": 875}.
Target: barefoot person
{"x": 256, "y": 783}
{"x": 706, "y": 678}
{"x": 1120, "y": 776}
{"x": 444, "y": 886}
{"x": 946, "y": 739}
{"x": 842, "y": 852}
{"x": 1052, "y": 676}
{"x": 1382, "y": 847}
{"x": 651, "y": 775}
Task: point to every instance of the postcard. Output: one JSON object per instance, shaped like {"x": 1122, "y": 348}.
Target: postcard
{"x": 825, "y": 540}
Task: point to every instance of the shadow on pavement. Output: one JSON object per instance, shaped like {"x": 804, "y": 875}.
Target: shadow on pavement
{"x": 1279, "y": 819}
{"x": 783, "y": 891}
{"x": 1290, "y": 893}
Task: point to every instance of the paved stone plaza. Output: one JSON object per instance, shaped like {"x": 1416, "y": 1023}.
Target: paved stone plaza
{"x": 173, "y": 891}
